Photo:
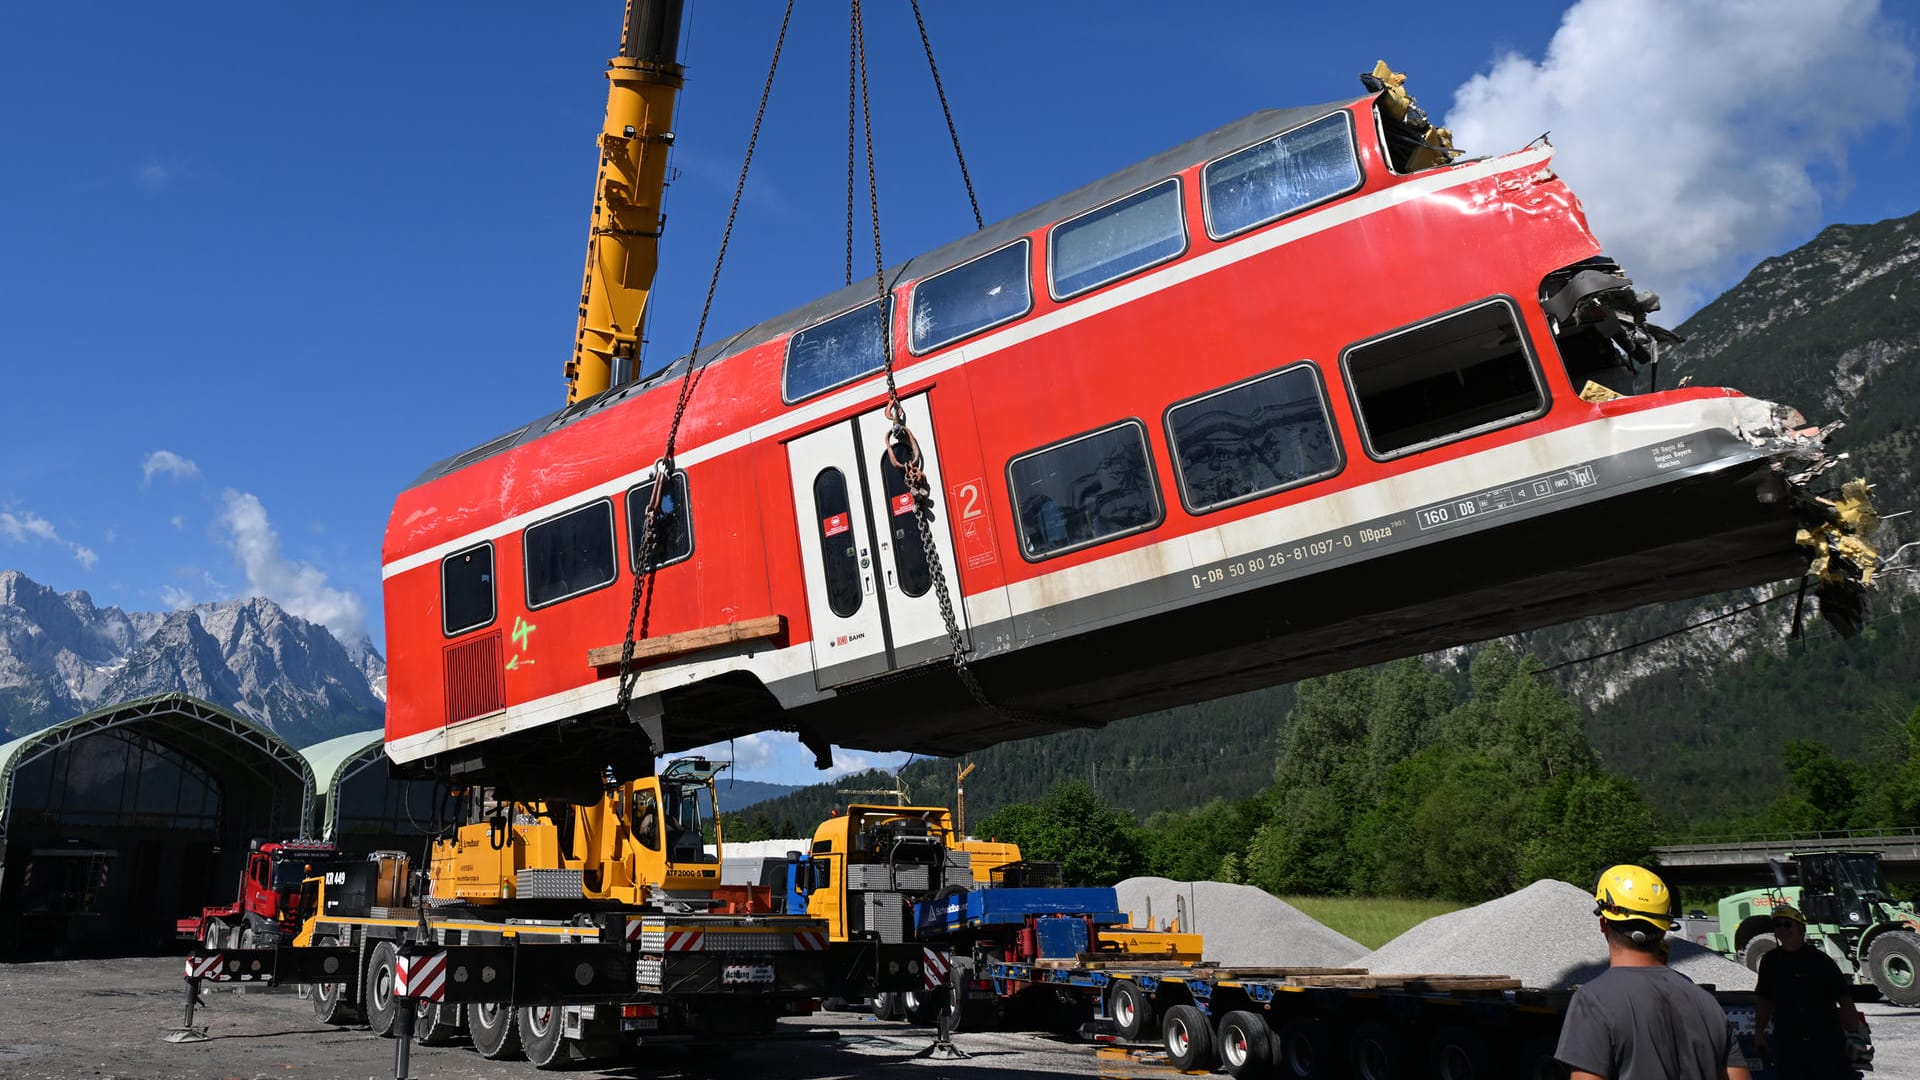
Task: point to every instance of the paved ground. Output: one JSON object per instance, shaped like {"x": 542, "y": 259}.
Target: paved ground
{"x": 104, "y": 1018}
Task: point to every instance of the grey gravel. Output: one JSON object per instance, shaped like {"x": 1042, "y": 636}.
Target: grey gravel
{"x": 1241, "y": 924}
{"x": 1545, "y": 935}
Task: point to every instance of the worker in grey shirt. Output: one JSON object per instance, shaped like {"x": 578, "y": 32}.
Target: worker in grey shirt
{"x": 1642, "y": 1020}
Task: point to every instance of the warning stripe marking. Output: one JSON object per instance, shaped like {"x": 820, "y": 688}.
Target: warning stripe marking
{"x": 934, "y": 966}
{"x": 423, "y": 977}
{"x": 199, "y": 967}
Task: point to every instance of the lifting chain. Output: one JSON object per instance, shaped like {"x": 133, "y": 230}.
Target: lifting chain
{"x": 903, "y": 450}
{"x": 649, "y": 545}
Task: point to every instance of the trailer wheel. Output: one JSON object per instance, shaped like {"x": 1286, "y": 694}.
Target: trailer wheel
{"x": 1461, "y": 1053}
{"x": 1893, "y": 963}
{"x": 541, "y": 1035}
{"x": 1757, "y": 947}
{"x": 1246, "y": 1046}
{"x": 437, "y": 1024}
{"x": 1131, "y": 1010}
{"x": 1380, "y": 1051}
{"x": 923, "y": 1006}
{"x": 1309, "y": 1049}
{"x": 886, "y": 1006}
{"x": 378, "y": 995}
{"x": 333, "y": 1003}
{"x": 494, "y": 1032}
{"x": 1188, "y": 1038}
{"x": 213, "y": 935}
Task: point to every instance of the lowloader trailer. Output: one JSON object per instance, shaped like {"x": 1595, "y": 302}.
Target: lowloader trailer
{"x": 1322, "y": 1023}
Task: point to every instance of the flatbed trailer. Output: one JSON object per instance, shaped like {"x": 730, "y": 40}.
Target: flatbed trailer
{"x": 1312, "y": 1022}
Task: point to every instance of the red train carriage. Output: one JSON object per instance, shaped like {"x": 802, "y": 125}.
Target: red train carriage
{"x": 1271, "y": 404}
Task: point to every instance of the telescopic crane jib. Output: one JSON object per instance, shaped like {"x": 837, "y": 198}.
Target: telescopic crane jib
{"x": 623, "y": 246}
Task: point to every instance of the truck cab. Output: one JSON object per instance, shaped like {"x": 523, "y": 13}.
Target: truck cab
{"x": 271, "y": 900}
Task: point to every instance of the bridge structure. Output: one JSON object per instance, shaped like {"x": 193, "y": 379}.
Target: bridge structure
{"x": 1742, "y": 860}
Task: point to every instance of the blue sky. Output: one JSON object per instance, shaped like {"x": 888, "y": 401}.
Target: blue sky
{"x": 261, "y": 264}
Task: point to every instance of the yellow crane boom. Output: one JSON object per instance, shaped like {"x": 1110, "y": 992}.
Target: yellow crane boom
{"x": 623, "y": 247}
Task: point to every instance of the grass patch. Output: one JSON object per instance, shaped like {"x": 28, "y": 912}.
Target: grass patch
{"x": 1371, "y": 921}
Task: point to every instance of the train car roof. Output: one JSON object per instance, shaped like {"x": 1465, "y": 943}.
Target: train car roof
{"x": 1243, "y": 132}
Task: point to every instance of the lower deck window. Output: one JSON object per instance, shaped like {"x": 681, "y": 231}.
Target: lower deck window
{"x": 570, "y": 554}
{"x": 1457, "y": 375}
{"x": 673, "y": 523}
{"x": 1090, "y": 488}
{"x": 1252, "y": 439}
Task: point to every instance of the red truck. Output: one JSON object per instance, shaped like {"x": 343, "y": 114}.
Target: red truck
{"x": 270, "y": 905}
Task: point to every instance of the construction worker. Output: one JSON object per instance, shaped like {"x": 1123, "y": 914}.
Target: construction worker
{"x": 1640, "y": 1019}
{"x": 1809, "y": 1002}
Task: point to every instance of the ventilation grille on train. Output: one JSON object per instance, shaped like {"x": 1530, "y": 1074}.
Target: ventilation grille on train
{"x": 476, "y": 685}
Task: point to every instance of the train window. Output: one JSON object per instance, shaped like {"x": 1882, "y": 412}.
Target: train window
{"x": 988, "y": 291}
{"x": 1116, "y": 240}
{"x": 839, "y": 546}
{"x": 675, "y": 523}
{"x": 1460, "y": 374}
{"x": 1288, "y": 172}
{"x": 909, "y": 554}
{"x": 466, "y": 590}
{"x": 838, "y": 351}
{"x": 1262, "y": 436}
{"x": 570, "y": 554}
{"x": 1090, "y": 488}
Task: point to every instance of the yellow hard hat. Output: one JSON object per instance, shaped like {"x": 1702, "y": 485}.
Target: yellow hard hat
{"x": 1633, "y": 892}
{"x": 1788, "y": 911}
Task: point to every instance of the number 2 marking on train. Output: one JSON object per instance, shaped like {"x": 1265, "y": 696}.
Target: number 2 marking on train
{"x": 970, "y": 500}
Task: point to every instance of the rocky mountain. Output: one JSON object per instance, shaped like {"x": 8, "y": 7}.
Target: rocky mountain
{"x": 61, "y": 656}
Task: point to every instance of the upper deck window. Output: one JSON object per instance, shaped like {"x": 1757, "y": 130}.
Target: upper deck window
{"x": 1458, "y": 375}
{"x": 1118, "y": 239}
{"x": 1262, "y": 436}
{"x": 838, "y": 351}
{"x": 967, "y": 299}
{"x": 570, "y": 554}
{"x": 466, "y": 590}
{"x": 1289, "y": 172}
{"x": 674, "y": 523}
{"x": 1090, "y": 488}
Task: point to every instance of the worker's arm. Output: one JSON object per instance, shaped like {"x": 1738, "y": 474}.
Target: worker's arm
{"x": 1578, "y": 1075}
{"x": 1736, "y": 1072}
{"x": 1762, "y": 1016}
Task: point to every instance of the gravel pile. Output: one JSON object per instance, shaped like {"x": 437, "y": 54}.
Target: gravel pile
{"x": 1241, "y": 924}
{"x": 1545, "y": 935}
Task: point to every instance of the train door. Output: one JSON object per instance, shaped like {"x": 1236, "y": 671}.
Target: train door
{"x": 870, "y": 597}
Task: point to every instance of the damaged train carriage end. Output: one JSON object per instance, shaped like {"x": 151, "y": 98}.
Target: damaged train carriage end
{"x": 1304, "y": 393}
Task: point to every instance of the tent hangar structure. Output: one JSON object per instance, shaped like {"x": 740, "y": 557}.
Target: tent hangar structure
{"x": 361, "y": 808}
{"x": 116, "y": 822}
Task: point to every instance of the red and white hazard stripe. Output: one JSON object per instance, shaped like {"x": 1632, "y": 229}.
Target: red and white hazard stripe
{"x": 200, "y": 967}
{"x": 634, "y": 926}
{"x": 423, "y": 977}
{"x": 684, "y": 941}
{"x": 810, "y": 940}
{"x": 934, "y": 966}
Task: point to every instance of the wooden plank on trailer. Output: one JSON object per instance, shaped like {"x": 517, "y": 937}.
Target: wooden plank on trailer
{"x": 1284, "y": 972}
{"x": 707, "y": 637}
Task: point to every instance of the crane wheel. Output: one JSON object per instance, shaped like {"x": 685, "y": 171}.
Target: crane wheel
{"x": 541, "y": 1037}
{"x": 886, "y": 1006}
{"x": 378, "y": 992}
{"x": 334, "y": 1003}
{"x": 1309, "y": 1049}
{"x": 438, "y": 1023}
{"x": 1464, "y": 1053}
{"x": 495, "y": 1031}
{"x": 1380, "y": 1051}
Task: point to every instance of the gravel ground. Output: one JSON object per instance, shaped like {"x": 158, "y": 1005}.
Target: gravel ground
{"x": 102, "y": 1019}
{"x": 1545, "y": 935}
{"x": 1241, "y": 924}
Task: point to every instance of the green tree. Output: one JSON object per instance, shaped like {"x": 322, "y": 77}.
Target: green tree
{"x": 1583, "y": 823}
{"x": 1094, "y": 843}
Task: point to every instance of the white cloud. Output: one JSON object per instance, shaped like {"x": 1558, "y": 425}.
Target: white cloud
{"x": 176, "y": 599}
{"x": 178, "y": 521}
{"x": 27, "y": 526}
{"x": 168, "y": 463}
{"x": 1698, "y": 135}
{"x": 299, "y": 587}
{"x": 154, "y": 174}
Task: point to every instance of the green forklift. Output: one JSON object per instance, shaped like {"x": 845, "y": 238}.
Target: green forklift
{"x": 1851, "y": 916}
